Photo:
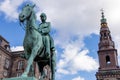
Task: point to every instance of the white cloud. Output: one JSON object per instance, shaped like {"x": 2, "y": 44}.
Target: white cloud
{"x": 78, "y": 78}
{"x": 9, "y": 8}
{"x": 71, "y": 19}
{"x": 81, "y": 60}
{"x": 74, "y": 60}
{"x": 63, "y": 71}
{"x": 17, "y": 48}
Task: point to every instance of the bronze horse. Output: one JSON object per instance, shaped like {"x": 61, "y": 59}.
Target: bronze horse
{"x": 33, "y": 44}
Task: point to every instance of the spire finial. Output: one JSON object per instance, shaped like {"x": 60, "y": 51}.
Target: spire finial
{"x": 103, "y": 20}
{"x": 102, "y": 12}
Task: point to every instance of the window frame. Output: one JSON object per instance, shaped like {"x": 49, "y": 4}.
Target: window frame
{"x": 20, "y": 65}
{"x": 7, "y": 63}
{"x": 5, "y": 73}
{"x": 108, "y": 61}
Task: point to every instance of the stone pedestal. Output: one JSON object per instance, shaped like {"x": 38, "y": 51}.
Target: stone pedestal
{"x": 20, "y": 78}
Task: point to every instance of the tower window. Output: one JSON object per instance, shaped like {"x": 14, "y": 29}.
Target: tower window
{"x": 105, "y": 35}
{"x": 108, "y": 60}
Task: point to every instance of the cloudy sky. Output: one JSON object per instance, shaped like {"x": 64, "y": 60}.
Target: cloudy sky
{"x": 75, "y": 29}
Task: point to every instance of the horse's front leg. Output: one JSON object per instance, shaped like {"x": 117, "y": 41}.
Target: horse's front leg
{"x": 30, "y": 60}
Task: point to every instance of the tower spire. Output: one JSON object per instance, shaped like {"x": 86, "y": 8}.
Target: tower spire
{"x": 103, "y": 20}
{"x": 102, "y": 12}
{"x": 105, "y": 36}
{"x": 108, "y": 57}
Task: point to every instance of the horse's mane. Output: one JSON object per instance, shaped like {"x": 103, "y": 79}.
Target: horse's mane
{"x": 34, "y": 15}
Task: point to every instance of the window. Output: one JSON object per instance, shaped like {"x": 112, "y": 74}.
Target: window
{"x": 7, "y": 47}
{"x": 5, "y": 73}
{"x": 105, "y": 34}
{"x": 0, "y": 58}
{"x": 7, "y": 63}
{"x": 20, "y": 65}
{"x": 108, "y": 59}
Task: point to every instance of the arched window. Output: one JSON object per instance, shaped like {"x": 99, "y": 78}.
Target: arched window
{"x": 5, "y": 73}
{"x": 108, "y": 59}
{"x": 105, "y": 35}
{"x": 20, "y": 65}
{"x": 7, "y": 63}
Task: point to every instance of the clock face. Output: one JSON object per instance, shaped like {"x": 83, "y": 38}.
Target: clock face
{"x": 5, "y": 73}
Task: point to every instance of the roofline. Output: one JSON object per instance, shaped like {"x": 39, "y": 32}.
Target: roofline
{"x": 4, "y": 50}
{"x": 17, "y": 51}
{"x": 4, "y": 39}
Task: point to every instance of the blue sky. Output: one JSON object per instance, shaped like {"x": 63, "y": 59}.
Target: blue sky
{"x": 75, "y": 29}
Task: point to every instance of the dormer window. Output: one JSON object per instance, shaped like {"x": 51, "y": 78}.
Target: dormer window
{"x": 7, "y": 47}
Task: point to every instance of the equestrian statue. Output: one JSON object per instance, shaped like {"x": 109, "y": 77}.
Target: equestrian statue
{"x": 38, "y": 44}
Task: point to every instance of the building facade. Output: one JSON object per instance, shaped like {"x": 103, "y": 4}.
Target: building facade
{"x": 12, "y": 65}
{"x": 107, "y": 54}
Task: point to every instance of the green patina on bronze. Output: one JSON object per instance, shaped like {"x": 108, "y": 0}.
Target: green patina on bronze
{"x": 20, "y": 78}
{"x": 103, "y": 20}
{"x": 44, "y": 29}
{"x": 38, "y": 44}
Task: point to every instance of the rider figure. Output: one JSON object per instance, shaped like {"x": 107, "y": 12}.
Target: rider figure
{"x": 44, "y": 29}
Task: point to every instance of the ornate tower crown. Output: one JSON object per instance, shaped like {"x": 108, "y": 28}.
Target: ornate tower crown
{"x": 103, "y": 20}
{"x": 105, "y": 36}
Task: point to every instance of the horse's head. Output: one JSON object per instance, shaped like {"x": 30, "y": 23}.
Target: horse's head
{"x": 26, "y": 12}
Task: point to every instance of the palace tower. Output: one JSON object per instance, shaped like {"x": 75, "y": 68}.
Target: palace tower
{"x": 107, "y": 54}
